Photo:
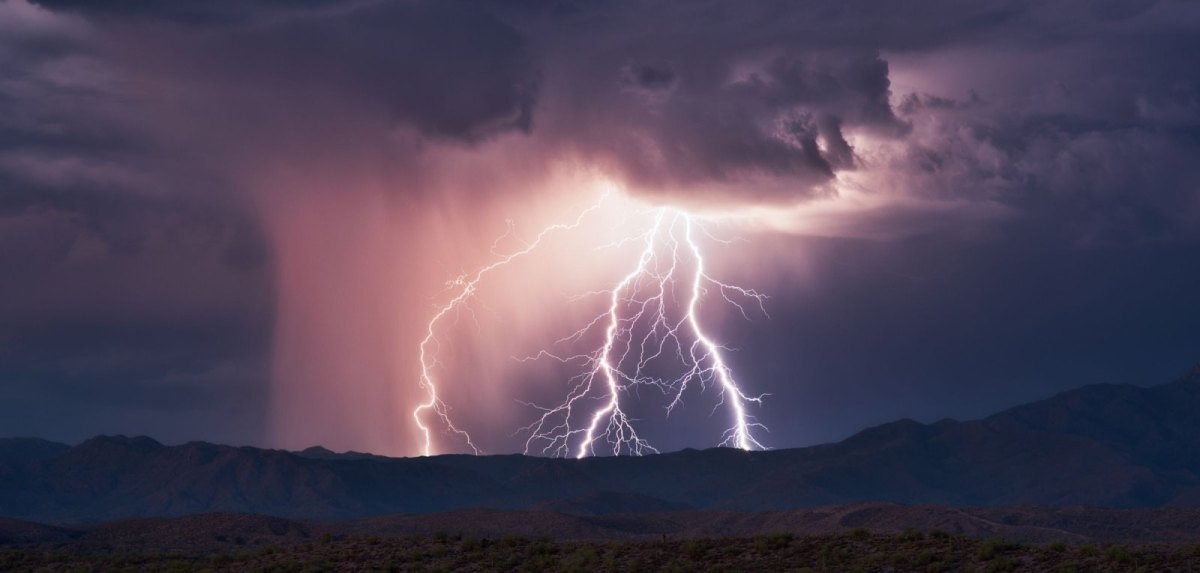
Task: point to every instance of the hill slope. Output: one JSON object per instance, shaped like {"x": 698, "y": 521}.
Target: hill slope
{"x": 1119, "y": 446}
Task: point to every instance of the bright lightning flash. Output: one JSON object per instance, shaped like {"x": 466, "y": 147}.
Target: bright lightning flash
{"x": 644, "y": 323}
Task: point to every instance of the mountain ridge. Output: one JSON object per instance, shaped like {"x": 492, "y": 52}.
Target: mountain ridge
{"x": 1103, "y": 445}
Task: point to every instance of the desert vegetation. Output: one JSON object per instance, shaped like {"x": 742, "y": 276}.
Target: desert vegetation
{"x": 857, "y": 550}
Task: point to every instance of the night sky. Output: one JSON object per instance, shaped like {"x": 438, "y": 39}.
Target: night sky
{"x": 231, "y": 220}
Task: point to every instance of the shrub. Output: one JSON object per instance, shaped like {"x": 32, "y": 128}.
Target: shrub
{"x": 911, "y": 535}
{"x": 583, "y": 558}
{"x": 1068, "y": 567}
{"x": 512, "y": 540}
{"x": 1119, "y": 554}
{"x": 774, "y": 542}
{"x": 1001, "y": 564}
{"x": 992, "y": 547}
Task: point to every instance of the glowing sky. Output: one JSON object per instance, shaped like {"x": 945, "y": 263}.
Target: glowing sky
{"x": 233, "y": 220}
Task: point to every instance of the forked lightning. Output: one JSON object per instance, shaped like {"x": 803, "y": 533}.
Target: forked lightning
{"x": 642, "y": 324}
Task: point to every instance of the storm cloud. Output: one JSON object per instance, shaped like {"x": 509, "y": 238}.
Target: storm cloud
{"x": 184, "y": 185}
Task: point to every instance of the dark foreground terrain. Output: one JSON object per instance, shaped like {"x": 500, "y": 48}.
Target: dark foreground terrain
{"x": 857, "y": 550}
{"x": 218, "y": 532}
{"x": 862, "y": 537}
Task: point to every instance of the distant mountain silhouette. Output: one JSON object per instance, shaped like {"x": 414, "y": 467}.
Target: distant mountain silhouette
{"x": 1106, "y": 445}
{"x": 322, "y": 453}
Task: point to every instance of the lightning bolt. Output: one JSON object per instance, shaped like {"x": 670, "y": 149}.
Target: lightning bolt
{"x": 467, "y": 286}
{"x": 641, "y": 303}
{"x": 643, "y": 324}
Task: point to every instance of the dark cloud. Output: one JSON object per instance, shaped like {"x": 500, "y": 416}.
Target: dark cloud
{"x": 443, "y": 68}
{"x": 762, "y": 103}
{"x": 648, "y": 77}
{"x": 130, "y": 286}
{"x": 132, "y": 259}
{"x": 771, "y": 130}
{"x": 697, "y": 102}
{"x": 708, "y": 100}
{"x": 217, "y": 12}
